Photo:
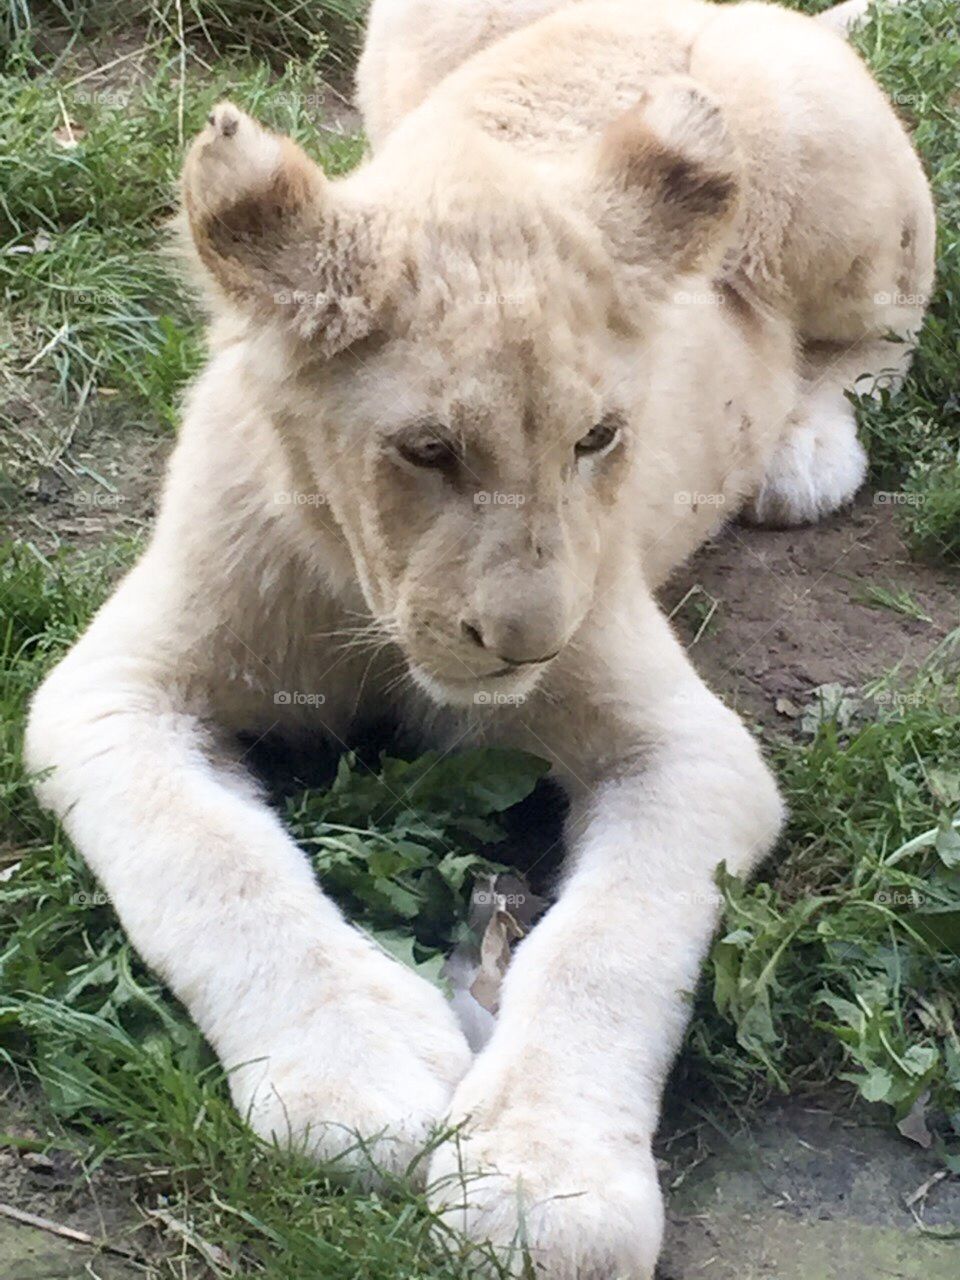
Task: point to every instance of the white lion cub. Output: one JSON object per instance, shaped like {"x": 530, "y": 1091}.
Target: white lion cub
{"x": 612, "y": 265}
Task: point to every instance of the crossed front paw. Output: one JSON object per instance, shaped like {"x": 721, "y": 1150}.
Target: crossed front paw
{"x": 556, "y": 1199}
{"x": 362, "y": 1079}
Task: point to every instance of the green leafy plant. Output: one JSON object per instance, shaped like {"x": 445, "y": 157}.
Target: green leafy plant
{"x": 400, "y": 847}
{"x": 861, "y": 917}
{"x": 914, "y": 435}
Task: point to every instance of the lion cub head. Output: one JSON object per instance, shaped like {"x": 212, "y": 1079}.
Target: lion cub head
{"x": 460, "y": 339}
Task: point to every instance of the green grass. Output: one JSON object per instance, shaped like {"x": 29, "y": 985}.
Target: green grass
{"x": 914, "y": 437}
{"x": 896, "y": 599}
{"x": 841, "y": 962}
{"x": 269, "y": 27}
{"x": 90, "y": 298}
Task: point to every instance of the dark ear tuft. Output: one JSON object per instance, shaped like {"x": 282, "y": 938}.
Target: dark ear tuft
{"x": 696, "y": 189}
{"x": 669, "y": 180}
{"x": 273, "y": 237}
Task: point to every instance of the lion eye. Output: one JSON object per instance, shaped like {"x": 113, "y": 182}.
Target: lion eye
{"x": 429, "y": 450}
{"x": 598, "y": 438}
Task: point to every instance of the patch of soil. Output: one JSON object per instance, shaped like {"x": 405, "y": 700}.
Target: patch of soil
{"x": 77, "y": 479}
{"x": 44, "y": 1177}
{"x": 791, "y": 612}
{"x": 123, "y": 62}
{"x": 808, "y": 1193}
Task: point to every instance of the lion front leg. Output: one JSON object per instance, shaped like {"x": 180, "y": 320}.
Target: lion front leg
{"x": 326, "y": 1040}
{"x": 554, "y": 1160}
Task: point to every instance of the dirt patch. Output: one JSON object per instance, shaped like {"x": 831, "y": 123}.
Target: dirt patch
{"x": 77, "y": 479}
{"x": 809, "y": 1193}
{"x": 123, "y": 63}
{"x": 791, "y": 609}
{"x": 43, "y": 1174}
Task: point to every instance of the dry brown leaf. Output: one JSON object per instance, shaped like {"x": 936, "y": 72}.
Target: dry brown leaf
{"x": 502, "y": 930}
{"x": 502, "y": 911}
{"x": 914, "y": 1123}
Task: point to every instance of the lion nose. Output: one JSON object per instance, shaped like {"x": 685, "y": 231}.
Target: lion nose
{"x": 516, "y": 642}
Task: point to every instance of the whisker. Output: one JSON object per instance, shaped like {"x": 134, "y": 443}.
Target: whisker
{"x": 399, "y": 680}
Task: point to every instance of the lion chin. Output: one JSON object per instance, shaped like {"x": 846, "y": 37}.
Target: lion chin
{"x": 480, "y": 692}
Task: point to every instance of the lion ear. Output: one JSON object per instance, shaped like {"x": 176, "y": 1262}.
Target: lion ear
{"x": 273, "y": 237}
{"x": 667, "y": 181}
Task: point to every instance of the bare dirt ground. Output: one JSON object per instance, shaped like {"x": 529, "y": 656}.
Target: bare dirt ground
{"x": 76, "y": 482}
{"x": 810, "y": 1193}
{"x": 41, "y": 1178}
{"x": 792, "y": 614}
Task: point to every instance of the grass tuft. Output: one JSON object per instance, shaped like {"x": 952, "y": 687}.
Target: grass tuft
{"x": 914, "y": 437}
{"x": 302, "y": 28}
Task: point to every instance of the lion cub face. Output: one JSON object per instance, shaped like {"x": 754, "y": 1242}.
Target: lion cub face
{"x": 464, "y": 359}
{"x": 474, "y": 471}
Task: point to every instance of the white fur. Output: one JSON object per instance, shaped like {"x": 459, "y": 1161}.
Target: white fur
{"x": 816, "y": 468}
{"x": 673, "y": 213}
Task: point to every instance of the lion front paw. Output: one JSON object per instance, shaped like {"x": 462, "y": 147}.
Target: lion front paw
{"x": 361, "y": 1080}
{"x": 818, "y": 466}
{"x": 553, "y": 1201}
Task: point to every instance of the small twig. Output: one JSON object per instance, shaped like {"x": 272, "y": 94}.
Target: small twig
{"x": 211, "y": 1253}
{"x": 57, "y": 450}
{"x": 115, "y": 62}
{"x": 680, "y": 603}
{"x": 68, "y": 1233}
{"x": 936, "y": 1233}
{"x": 181, "y": 41}
{"x": 923, "y": 1190}
{"x": 48, "y": 346}
{"x": 332, "y": 88}
{"x": 67, "y": 124}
